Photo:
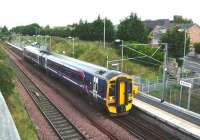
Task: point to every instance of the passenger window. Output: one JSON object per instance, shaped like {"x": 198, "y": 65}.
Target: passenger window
{"x": 112, "y": 89}
{"x": 129, "y": 86}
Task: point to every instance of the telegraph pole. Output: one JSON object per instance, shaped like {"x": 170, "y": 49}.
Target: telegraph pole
{"x": 104, "y": 33}
{"x": 73, "y": 45}
{"x": 122, "y": 47}
{"x": 164, "y": 71}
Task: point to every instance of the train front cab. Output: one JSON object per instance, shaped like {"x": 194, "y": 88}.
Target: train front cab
{"x": 120, "y": 93}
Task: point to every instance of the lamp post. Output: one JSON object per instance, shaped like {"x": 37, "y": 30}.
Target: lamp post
{"x": 182, "y": 69}
{"x": 164, "y": 70}
{"x": 72, "y": 44}
{"x": 104, "y": 33}
{"x": 184, "y": 49}
{"x": 185, "y": 41}
{"x": 122, "y": 52}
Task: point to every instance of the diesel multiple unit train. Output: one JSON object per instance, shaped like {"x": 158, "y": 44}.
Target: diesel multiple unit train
{"x": 110, "y": 89}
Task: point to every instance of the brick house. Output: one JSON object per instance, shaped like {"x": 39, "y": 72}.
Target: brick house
{"x": 156, "y": 34}
{"x": 193, "y": 31}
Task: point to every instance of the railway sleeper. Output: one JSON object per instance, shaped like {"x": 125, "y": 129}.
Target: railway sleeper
{"x": 53, "y": 117}
{"x": 60, "y": 121}
{"x": 68, "y": 132}
{"x": 35, "y": 98}
{"x": 48, "y": 108}
{"x": 52, "y": 112}
{"x": 45, "y": 104}
{"x": 71, "y": 137}
{"x": 62, "y": 125}
{"x": 65, "y": 128}
{"x": 43, "y": 99}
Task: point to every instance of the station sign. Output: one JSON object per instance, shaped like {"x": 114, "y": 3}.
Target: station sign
{"x": 186, "y": 84}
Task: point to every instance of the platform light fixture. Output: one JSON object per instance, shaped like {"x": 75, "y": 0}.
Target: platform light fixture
{"x": 122, "y": 51}
{"x": 184, "y": 53}
{"x": 72, "y": 38}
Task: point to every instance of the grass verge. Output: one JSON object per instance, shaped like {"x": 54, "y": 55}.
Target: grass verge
{"x": 13, "y": 99}
{"x": 22, "y": 120}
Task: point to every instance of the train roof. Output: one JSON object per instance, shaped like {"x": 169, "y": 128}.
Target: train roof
{"x": 88, "y": 67}
{"x": 18, "y": 48}
{"x": 33, "y": 50}
{"x": 76, "y": 64}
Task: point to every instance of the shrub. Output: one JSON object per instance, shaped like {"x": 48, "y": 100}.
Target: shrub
{"x": 6, "y": 74}
{"x": 197, "y": 47}
{"x": 6, "y": 78}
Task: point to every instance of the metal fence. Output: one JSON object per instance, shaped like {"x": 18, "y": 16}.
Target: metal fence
{"x": 183, "y": 96}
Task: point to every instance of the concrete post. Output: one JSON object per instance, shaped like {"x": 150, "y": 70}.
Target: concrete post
{"x": 164, "y": 72}
{"x": 189, "y": 96}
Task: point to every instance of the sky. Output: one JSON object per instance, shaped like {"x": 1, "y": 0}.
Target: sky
{"x": 63, "y": 12}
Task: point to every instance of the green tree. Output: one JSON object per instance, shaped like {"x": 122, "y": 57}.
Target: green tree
{"x": 132, "y": 29}
{"x": 46, "y": 30}
{"x": 197, "y": 47}
{"x": 83, "y": 30}
{"x": 94, "y": 31}
{"x": 97, "y": 29}
{"x": 4, "y": 32}
{"x": 181, "y": 20}
{"x": 109, "y": 30}
{"x": 175, "y": 40}
{"x": 31, "y": 29}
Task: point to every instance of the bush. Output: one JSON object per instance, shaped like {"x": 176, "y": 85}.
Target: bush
{"x": 175, "y": 40}
{"x": 6, "y": 74}
{"x": 197, "y": 47}
{"x": 6, "y": 78}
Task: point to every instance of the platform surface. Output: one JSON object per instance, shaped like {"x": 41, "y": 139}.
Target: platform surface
{"x": 170, "y": 119}
{"x": 8, "y": 130}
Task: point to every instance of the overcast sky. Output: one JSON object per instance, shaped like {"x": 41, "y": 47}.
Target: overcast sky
{"x": 63, "y": 12}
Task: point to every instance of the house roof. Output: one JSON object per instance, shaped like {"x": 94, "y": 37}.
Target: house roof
{"x": 161, "y": 29}
{"x": 153, "y": 23}
{"x": 158, "y": 29}
{"x": 186, "y": 26}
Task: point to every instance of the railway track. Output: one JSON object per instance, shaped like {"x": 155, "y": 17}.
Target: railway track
{"x": 105, "y": 131}
{"x": 131, "y": 123}
{"x": 62, "y": 126}
{"x": 141, "y": 128}
{"x": 137, "y": 129}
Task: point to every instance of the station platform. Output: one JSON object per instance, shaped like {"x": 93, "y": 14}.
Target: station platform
{"x": 8, "y": 130}
{"x": 171, "y": 119}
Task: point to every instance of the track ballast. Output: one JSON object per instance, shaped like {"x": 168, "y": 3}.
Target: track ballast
{"x": 63, "y": 127}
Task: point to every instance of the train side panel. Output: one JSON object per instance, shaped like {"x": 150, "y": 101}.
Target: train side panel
{"x": 96, "y": 88}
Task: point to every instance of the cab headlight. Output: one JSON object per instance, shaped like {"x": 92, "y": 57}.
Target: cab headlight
{"x": 130, "y": 96}
{"x": 111, "y": 98}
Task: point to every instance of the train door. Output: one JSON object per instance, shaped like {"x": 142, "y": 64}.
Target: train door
{"x": 42, "y": 60}
{"x": 95, "y": 86}
{"x": 121, "y": 100}
{"x": 121, "y": 94}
